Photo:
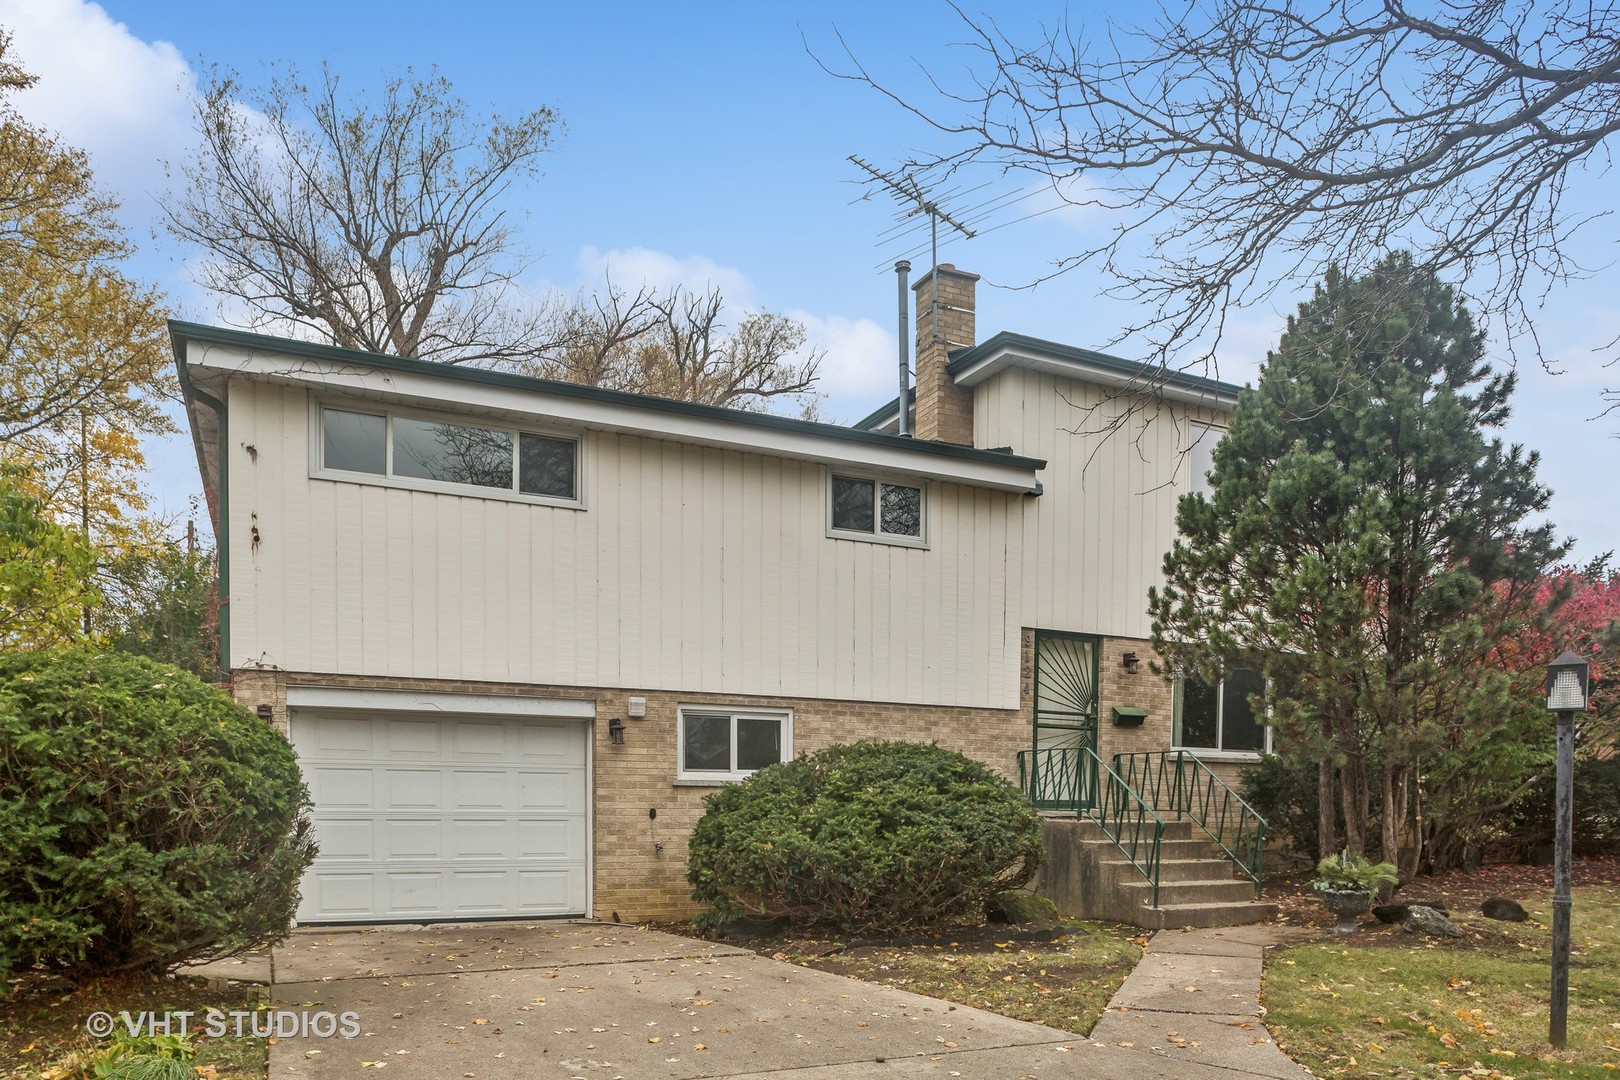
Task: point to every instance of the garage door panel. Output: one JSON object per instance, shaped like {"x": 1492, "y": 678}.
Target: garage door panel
{"x": 548, "y": 789}
{"x": 551, "y": 839}
{"x": 349, "y": 737}
{"x": 543, "y": 890}
{"x": 339, "y": 895}
{"x": 546, "y": 745}
{"x": 336, "y": 787}
{"x": 412, "y": 838}
{"x": 412, "y": 789}
{"x": 414, "y": 738}
{"x": 420, "y": 818}
{"x": 345, "y": 839}
{"x": 418, "y": 894}
{"x": 479, "y": 740}
{"x": 481, "y": 838}
{"x": 480, "y": 789}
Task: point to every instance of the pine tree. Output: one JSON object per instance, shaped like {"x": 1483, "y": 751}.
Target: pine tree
{"x": 1365, "y": 545}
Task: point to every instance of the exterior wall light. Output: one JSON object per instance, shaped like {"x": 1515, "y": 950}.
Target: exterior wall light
{"x": 616, "y": 731}
{"x": 1133, "y": 664}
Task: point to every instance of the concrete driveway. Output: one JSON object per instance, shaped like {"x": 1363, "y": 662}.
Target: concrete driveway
{"x": 570, "y": 999}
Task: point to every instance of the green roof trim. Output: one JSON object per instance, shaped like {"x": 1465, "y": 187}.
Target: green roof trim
{"x": 968, "y": 357}
{"x": 1152, "y": 375}
{"x": 181, "y": 332}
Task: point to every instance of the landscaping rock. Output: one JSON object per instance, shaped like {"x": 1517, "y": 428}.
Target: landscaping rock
{"x": 1426, "y": 920}
{"x": 1394, "y": 913}
{"x": 1018, "y": 907}
{"x": 1504, "y": 910}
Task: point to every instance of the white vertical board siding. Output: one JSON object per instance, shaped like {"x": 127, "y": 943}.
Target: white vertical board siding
{"x": 1094, "y": 542}
{"x": 691, "y": 568}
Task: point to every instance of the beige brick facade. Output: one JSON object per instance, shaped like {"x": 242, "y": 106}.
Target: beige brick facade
{"x": 639, "y": 860}
{"x": 944, "y": 409}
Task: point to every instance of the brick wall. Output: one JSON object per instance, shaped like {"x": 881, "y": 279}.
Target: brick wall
{"x": 640, "y": 861}
{"x": 944, "y": 410}
{"x": 635, "y": 878}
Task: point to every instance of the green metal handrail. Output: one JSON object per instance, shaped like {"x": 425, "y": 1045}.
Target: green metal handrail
{"x": 1175, "y": 781}
{"x": 1057, "y": 778}
{"x": 1125, "y": 818}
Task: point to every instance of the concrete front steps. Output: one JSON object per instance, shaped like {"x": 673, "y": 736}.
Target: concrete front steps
{"x": 1086, "y": 876}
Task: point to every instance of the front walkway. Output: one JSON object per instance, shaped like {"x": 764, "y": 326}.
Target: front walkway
{"x": 601, "y": 1000}
{"x": 1195, "y": 999}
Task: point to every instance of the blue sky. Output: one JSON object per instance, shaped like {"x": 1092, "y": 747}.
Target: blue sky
{"x": 703, "y": 144}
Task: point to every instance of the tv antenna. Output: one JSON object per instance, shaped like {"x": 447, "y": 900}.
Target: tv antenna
{"x": 914, "y": 200}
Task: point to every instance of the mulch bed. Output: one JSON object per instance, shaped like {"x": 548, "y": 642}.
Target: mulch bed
{"x": 1461, "y": 891}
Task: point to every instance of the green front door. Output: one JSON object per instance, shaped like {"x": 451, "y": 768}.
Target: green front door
{"x": 1062, "y": 776}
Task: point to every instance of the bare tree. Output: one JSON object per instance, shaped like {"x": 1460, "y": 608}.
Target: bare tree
{"x": 379, "y": 228}
{"x": 675, "y": 344}
{"x": 383, "y": 228}
{"x": 1240, "y": 146}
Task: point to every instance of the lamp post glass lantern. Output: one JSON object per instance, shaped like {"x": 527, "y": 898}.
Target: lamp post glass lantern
{"x": 1568, "y": 682}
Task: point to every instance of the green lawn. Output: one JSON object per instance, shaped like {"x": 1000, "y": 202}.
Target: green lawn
{"x": 1387, "y": 1003}
{"x": 1064, "y": 984}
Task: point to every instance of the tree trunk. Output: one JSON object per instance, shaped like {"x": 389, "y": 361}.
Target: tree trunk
{"x": 1393, "y": 819}
{"x": 1327, "y": 833}
{"x": 1353, "y": 796}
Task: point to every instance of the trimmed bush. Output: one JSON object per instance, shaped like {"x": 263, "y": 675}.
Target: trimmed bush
{"x": 869, "y": 836}
{"x": 146, "y": 819}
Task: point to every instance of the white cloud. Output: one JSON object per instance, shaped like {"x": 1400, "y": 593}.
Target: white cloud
{"x": 124, "y": 100}
{"x": 860, "y": 369}
{"x": 634, "y": 267}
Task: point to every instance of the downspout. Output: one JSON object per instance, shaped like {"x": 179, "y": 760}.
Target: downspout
{"x": 222, "y": 534}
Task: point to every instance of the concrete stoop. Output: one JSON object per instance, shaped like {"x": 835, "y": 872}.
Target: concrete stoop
{"x": 1087, "y": 877}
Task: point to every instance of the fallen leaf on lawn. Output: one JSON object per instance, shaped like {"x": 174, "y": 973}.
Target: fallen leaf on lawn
{"x": 480, "y": 1022}
{"x": 655, "y": 1039}
{"x": 699, "y": 1046}
{"x": 1447, "y": 1039}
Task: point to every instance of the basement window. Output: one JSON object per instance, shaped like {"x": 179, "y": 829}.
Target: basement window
{"x": 723, "y": 744}
{"x": 868, "y": 508}
{"x": 403, "y": 450}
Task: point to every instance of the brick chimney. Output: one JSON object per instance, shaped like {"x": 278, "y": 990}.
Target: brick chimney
{"x": 944, "y": 410}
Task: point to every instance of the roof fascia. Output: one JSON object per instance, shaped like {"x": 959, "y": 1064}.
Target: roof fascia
{"x": 435, "y": 385}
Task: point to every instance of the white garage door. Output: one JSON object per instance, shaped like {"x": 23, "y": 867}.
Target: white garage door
{"x": 442, "y": 817}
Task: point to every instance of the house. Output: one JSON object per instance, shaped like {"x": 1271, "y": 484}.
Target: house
{"x": 516, "y": 629}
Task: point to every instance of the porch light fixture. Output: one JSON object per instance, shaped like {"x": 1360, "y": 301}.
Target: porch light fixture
{"x": 616, "y": 731}
{"x": 1568, "y": 683}
{"x": 1568, "y": 680}
{"x": 1132, "y": 663}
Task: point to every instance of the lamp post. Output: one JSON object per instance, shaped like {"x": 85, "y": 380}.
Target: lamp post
{"x": 1567, "y": 685}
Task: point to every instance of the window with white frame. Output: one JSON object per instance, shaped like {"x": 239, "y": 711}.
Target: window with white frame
{"x": 1219, "y": 717}
{"x": 1201, "y": 456}
{"x": 868, "y": 508}
{"x": 729, "y": 744}
{"x": 415, "y": 450}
